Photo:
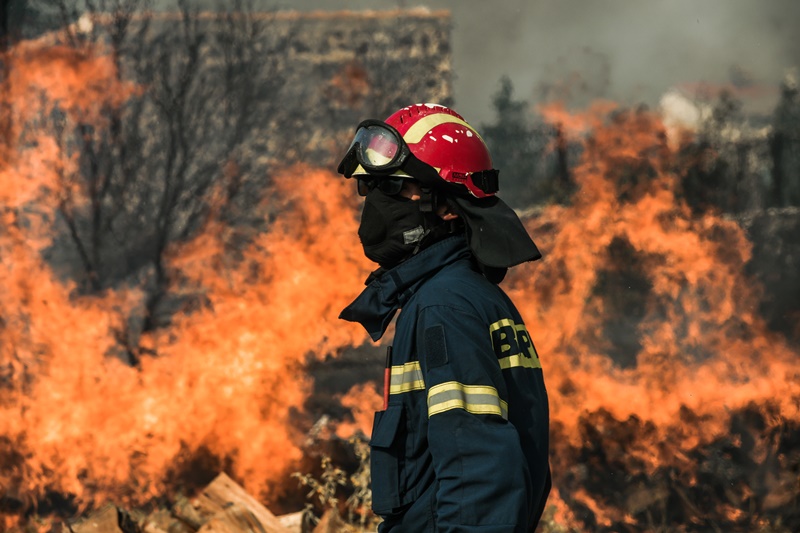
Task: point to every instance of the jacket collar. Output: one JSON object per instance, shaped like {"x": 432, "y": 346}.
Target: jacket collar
{"x": 389, "y": 290}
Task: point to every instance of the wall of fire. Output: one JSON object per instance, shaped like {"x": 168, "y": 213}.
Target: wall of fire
{"x": 153, "y": 165}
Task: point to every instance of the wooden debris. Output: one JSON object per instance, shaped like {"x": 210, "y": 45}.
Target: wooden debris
{"x": 222, "y": 507}
{"x": 183, "y": 509}
{"x": 108, "y": 519}
{"x": 295, "y": 522}
{"x": 163, "y": 521}
{"x": 331, "y": 522}
{"x": 234, "y": 519}
{"x": 104, "y": 520}
{"x": 157, "y": 522}
{"x": 227, "y": 505}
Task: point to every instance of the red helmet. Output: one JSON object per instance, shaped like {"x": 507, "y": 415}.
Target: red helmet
{"x": 429, "y": 142}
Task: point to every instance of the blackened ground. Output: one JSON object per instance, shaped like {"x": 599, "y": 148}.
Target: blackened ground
{"x": 745, "y": 480}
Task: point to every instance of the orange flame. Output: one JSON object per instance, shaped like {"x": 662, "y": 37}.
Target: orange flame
{"x": 703, "y": 348}
{"x": 227, "y": 378}
{"x": 40, "y": 79}
{"x": 362, "y": 400}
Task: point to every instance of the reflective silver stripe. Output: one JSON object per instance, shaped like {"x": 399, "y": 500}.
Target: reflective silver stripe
{"x": 406, "y": 378}
{"x": 475, "y": 399}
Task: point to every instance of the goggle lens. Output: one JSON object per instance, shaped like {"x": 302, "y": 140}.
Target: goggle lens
{"x": 378, "y": 147}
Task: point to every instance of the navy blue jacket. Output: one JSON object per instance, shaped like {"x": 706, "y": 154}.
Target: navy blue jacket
{"x": 463, "y": 444}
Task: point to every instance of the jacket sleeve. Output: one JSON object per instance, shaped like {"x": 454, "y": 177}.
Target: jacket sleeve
{"x": 483, "y": 481}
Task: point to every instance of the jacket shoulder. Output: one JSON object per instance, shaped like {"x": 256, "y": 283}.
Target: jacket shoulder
{"x": 458, "y": 286}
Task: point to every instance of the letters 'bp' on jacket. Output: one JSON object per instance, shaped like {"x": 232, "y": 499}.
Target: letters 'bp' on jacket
{"x": 463, "y": 444}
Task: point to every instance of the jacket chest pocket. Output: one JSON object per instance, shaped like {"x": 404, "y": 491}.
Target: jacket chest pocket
{"x": 387, "y": 449}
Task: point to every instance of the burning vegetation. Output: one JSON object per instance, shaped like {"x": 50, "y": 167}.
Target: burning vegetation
{"x": 673, "y": 405}
{"x": 675, "y": 394}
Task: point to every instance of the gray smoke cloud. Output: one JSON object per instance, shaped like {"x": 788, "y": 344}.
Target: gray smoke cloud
{"x": 632, "y": 51}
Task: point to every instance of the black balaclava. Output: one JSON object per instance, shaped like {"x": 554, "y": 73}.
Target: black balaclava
{"x": 392, "y": 228}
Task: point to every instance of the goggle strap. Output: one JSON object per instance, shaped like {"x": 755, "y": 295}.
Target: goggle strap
{"x": 427, "y": 201}
{"x": 487, "y": 180}
{"x": 349, "y": 163}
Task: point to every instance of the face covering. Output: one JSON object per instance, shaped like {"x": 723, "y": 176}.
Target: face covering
{"x": 391, "y": 228}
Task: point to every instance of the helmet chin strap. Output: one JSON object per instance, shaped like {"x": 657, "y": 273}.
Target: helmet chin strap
{"x": 427, "y": 206}
{"x": 435, "y": 228}
{"x": 428, "y": 201}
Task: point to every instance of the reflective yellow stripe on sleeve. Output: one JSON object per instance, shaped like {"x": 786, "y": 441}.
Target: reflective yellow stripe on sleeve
{"x": 406, "y": 378}
{"x": 475, "y": 399}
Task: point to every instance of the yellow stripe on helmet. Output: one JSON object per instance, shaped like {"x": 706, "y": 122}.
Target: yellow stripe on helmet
{"x": 418, "y": 130}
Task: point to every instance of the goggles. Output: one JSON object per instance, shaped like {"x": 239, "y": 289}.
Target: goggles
{"x": 377, "y": 147}
{"x": 380, "y": 150}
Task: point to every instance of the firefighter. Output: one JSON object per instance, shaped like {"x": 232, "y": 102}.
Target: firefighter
{"x": 462, "y": 442}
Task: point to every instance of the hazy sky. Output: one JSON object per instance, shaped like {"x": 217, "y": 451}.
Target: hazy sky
{"x": 627, "y": 50}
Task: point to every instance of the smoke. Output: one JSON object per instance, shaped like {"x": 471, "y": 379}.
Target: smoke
{"x": 572, "y": 50}
{"x": 627, "y": 51}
